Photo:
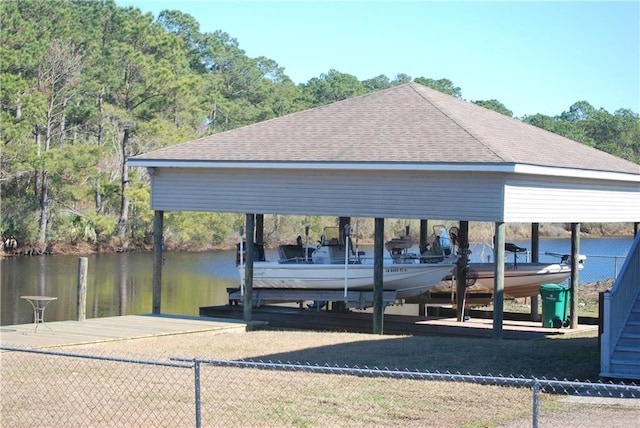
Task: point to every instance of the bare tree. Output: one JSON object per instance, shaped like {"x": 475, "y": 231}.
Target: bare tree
{"x": 58, "y": 80}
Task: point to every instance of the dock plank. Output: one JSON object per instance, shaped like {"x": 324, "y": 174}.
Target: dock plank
{"x": 64, "y": 333}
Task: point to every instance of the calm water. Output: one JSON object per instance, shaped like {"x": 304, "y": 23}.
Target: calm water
{"x": 120, "y": 284}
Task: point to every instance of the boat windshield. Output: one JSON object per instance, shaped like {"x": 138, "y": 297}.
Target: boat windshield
{"x": 331, "y": 236}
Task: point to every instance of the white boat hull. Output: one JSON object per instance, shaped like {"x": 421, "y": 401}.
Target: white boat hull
{"x": 407, "y": 280}
{"x": 522, "y": 280}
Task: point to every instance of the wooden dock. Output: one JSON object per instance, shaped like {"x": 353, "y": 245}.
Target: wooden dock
{"x": 229, "y": 319}
{"x": 362, "y": 322}
{"x": 64, "y": 333}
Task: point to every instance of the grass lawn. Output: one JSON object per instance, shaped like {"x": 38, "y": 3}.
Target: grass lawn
{"x": 251, "y": 397}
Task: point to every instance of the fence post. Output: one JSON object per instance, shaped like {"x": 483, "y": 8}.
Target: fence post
{"x": 196, "y": 372}
{"x": 82, "y": 289}
{"x": 536, "y": 402}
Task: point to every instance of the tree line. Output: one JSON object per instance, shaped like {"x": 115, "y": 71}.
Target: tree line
{"x": 86, "y": 84}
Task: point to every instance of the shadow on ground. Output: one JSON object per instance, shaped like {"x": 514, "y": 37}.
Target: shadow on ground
{"x": 551, "y": 358}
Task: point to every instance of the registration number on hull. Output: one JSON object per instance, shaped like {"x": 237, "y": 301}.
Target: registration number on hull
{"x": 396, "y": 269}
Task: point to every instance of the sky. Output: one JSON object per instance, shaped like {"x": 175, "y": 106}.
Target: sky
{"x": 534, "y": 57}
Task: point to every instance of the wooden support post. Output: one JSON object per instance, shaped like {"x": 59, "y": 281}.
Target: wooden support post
{"x": 424, "y": 234}
{"x": 575, "y": 255}
{"x": 158, "y": 220}
{"x": 535, "y": 250}
{"x": 600, "y": 317}
{"x": 248, "y": 269}
{"x": 81, "y": 312}
{"x": 461, "y": 270}
{"x": 498, "y": 285}
{"x": 424, "y": 240}
{"x": 259, "y": 228}
{"x": 342, "y": 222}
{"x": 378, "y": 280}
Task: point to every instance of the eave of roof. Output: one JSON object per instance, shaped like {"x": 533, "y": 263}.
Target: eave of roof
{"x": 503, "y": 168}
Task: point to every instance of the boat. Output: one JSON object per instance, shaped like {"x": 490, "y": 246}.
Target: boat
{"x": 523, "y": 280}
{"x": 332, "y": 265}
{"x": 520, "y": 279}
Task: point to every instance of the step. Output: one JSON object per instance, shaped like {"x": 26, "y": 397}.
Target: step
{"x": 629, "y": 339}
{"x": 633, "y": 365}
{"x": 627, "y": 353}
{"x": 628, "y": 348}
{"x": 631, "y": 327}
{"x": 623, "y": 371}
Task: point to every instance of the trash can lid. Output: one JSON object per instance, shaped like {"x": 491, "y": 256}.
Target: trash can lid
{"x": 553, "y": 287}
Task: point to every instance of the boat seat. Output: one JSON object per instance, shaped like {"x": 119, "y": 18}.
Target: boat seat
{"x": 513, "y": 248}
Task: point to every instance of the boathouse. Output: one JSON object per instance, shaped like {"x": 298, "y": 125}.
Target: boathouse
{"x": 404, "y": 152}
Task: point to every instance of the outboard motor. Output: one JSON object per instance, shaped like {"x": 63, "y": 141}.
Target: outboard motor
{"x": 445, "y": 241}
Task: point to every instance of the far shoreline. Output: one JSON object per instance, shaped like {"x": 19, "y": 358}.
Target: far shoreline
{"x": 81, "y": 249}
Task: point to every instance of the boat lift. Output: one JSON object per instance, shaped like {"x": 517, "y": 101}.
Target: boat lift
{"x": 356, "y": 299}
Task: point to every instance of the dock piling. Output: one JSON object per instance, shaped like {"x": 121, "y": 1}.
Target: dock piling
{"x": 82, "y": 289}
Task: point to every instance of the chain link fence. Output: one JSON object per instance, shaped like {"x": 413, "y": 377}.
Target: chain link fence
{"x": 600, "y": 268}
{"x": 57, "y": 389}
{"x": 54, "y": 389}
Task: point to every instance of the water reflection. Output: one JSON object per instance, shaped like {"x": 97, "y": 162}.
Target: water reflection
{"x": 117, "y": 284}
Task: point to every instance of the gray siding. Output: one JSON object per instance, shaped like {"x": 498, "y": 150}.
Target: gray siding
{"x": 404, "y": 194}
{"x": 538, "y": 199}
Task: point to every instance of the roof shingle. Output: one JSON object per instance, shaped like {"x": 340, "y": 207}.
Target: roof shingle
{"x": 407, "y": 124}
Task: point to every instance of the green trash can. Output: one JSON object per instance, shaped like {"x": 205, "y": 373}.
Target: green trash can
{"x": 555, "y": 305}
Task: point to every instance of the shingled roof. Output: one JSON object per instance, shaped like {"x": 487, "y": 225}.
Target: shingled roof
{"x": 409, "y": 123}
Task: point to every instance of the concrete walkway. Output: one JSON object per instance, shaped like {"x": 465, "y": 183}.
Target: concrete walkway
{"x": 64, "y": 333}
